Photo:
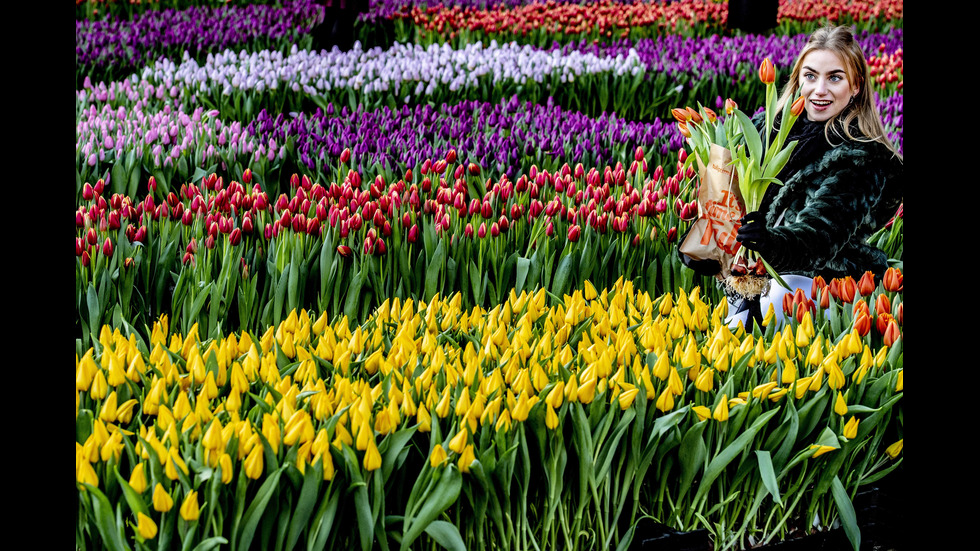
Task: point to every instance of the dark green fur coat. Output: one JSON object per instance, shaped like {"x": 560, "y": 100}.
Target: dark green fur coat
{"x": 822, "y": 215}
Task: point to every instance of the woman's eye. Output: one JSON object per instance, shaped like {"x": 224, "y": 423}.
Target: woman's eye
{"x": 836, "y": 78}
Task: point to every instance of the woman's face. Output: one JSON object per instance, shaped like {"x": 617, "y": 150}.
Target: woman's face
{"x": 825, "y": 85}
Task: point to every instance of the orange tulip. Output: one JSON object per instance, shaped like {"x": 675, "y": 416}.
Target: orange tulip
{"x": 680, "y": 114}
{"x": 818, "y": 283}
{"x": 866, "y": 285}
{"x": 883, "y": 305}
{"x": 693, "y": 116}
{"x": 892, "y": 333}
{"x": 797, "y": 108}
{"x": 862, "y": 323}
{"x": 684, "y": 130}
{"x": 846, "y": 289}
{"x": 712, "y": 117}
{"x": 881, "y": 323}
{"x": 893, "y": 280}
{"x": 767, "y": 72}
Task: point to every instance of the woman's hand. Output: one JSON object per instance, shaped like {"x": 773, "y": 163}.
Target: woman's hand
{"x": 754, "y": 233}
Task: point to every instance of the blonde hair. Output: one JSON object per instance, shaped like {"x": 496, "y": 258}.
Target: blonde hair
{"x": 862, "y": 110}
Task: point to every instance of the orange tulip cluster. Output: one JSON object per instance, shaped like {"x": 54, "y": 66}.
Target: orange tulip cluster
{"x": 887, "y": 320}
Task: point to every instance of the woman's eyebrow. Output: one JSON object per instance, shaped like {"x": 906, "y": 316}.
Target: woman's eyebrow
{"x": 832, "y": 71}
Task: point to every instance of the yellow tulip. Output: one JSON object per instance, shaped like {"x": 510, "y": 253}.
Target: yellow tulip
{"x": 438, "y": 456}
{"x": 895, "y": 449}
{"x": 227, "y": 471}
{"x": 213, "y": 436}
{"x": 189, "y": 510}
{"x": 702, "y": 412}
{"x": 706, "y": 380}
{"x": 145, "y": 526}
{"x": 665, "y": 402}
{"x": 851, "y": 428}
{"x": 328, "y": 468}
{"x": 162, "y": 501}
{"x": 137, "y": 479}
{"x": 458, "y": 442}
{"x": 372, "y": 457}
{"x": 720, "y": 413}
{"x": 551, "y": 418}
{"x": 626, "y": 398}
{"x": 254, "y": 463}
{"x": 840, "y": 405}
{"x": 556, "y": 396}
{"x": 86, "y": 474}
{"x": 466, "y": 459}
{"x": 820, "y": 450}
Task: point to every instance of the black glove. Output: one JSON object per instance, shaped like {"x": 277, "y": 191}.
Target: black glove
{"x": 754, "y": 233}
{"x": 707, "y": 267}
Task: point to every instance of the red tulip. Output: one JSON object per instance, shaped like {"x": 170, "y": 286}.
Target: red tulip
{"x": 344, "y": 250}
{"x": 345, "y": 155}
{"x": 573, "y": 233}
{"x": 107, "y": 247}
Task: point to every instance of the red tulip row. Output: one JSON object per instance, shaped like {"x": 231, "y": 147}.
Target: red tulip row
{"x": 606, "y": 18}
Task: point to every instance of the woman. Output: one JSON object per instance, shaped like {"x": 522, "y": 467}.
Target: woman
{"x": 842, "y": 183}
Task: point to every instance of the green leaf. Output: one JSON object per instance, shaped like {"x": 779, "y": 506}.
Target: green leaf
{"x": 446, "y": 535}
{"x": 323, "y": 522}
{"x": 691, "y": 453}
{"x": 752, "y": 139}
{"x": 562, "y": 274}
{"x": 718, "y": 464}
{"x": 105, "y": 521}
{"x": 846, "y": 511}
{"x": 523, "y": 265}
{"x": 433, "y": 271}
{"x": 441, "y": 498}
{"x": 254, "y": 512}
{"x": 768, "y": 475}
{"x": 135, "y": 501}
{"x": 211, "y": 543}
{"x": 303, "y": 508}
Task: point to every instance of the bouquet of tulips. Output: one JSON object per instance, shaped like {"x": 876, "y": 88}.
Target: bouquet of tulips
{"x": 757, "y": 159}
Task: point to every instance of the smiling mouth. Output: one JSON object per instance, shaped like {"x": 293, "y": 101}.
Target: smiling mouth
{"x": 821, "y": 102}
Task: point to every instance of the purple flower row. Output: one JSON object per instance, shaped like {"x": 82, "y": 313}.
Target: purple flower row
{"x": 505, "y": 137}
{"x": 131, "y": 43}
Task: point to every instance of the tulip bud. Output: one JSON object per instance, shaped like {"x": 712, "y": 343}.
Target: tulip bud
{"x": 767, "y": 72}
{"x": 345, "y": 155}
{"x": 680, "y": 114}
{"x": 574, "y": 232}
{"x": 730, "y": 106}
{"x": 107, "y": 247}
{"x": 797, "y": 108}
{"x": 866, "y": 285}
{"x": 893, "y": 281}
{"x": 145, "y": 526}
